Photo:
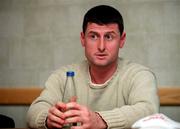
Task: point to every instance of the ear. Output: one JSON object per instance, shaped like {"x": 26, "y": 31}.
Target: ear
{"x": 122, "y": 40}
{"x": 82, "y": 37}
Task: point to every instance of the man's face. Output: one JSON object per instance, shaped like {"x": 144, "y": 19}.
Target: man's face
{"x": 102, "y": 43}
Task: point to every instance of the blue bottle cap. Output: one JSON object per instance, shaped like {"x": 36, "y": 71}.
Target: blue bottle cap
{"x": 70, "y": 73}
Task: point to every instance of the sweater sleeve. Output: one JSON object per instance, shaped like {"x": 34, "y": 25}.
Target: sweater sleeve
{"x": 38, "y": 111}
{"x": 141, "y": 99}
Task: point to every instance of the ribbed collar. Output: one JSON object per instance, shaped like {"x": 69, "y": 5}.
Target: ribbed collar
{"x": 101, "y": 86}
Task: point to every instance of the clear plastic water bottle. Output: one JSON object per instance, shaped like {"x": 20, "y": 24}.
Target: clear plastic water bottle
{"x": 69, "y": 89}
{"x": 69, "y": 92}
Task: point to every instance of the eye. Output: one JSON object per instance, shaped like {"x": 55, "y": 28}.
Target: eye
{"x": 109, "y": 37}
{"x": 93, "y": 36}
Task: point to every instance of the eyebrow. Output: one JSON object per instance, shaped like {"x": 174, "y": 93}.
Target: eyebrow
{"x": 92, "y": 32}
{"x": 109, "y": 32}
{"x": 112, "y": 32}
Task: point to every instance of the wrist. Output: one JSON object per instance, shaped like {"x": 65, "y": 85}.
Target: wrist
{"x": 101, "y": 122}
{"x": 46, "y": 125}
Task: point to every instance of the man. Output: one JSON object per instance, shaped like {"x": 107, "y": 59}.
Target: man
{"x": 110, "y": 92}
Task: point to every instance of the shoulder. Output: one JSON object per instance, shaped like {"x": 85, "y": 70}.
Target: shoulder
{"x": 131, "y": 69}
{"x": 59, "y": 75}
{"x": 136, "y": 76}
{"x": 130, "y": 66}
{"x": 76, "y": 67}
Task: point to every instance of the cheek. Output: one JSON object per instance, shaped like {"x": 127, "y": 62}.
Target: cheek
{"x": 90, "y": 47}
{"x": 115, "y": 52}
{"x": 113, "y": 48}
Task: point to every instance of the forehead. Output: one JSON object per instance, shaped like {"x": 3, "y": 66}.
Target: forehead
{"x": 104, "y": 28}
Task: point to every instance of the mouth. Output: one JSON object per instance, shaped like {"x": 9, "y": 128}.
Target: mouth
{"x": 101, "y": 56}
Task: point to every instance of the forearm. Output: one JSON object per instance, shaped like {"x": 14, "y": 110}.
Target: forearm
{"x": 125, "y": 116}
{"x": 36, "y": 117}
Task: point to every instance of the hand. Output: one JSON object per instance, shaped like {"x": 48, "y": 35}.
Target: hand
{"x": 76, "y": 113}
{"x": 56, "y": 118}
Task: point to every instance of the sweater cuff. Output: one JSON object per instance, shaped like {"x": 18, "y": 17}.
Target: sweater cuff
{"x": 41, "y": 120}
{"x": 113, "y": 118}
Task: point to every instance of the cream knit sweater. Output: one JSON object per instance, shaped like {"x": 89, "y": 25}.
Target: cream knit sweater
{"x": 129, "y": 95}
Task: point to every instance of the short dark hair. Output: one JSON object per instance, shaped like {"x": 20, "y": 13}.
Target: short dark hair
{"x": 103, "y": 14}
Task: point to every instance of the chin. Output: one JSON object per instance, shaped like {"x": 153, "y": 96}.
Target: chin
{"x": 104, "y": 63}
{"x": 101, "y": 63}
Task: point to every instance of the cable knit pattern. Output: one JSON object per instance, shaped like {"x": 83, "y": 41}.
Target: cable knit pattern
{"x": 41, "y": 119}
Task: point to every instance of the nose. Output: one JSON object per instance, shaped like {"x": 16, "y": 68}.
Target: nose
{"x": 101, "y": 45}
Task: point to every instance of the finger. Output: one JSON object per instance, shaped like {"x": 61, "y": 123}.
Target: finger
{"x": 73, "y": 105}
{"x": 72, "y": 113}
{"x": 75, "y": 119}
{"x": 56, "y": 112}
{"x": 52, "y": 124}
{"x": 55, "y": 125}
{"x": 53, "y": 121}
{"x": 61, "y": 106}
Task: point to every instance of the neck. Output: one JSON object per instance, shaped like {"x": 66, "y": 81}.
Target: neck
{"x": 100, "y": 75}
